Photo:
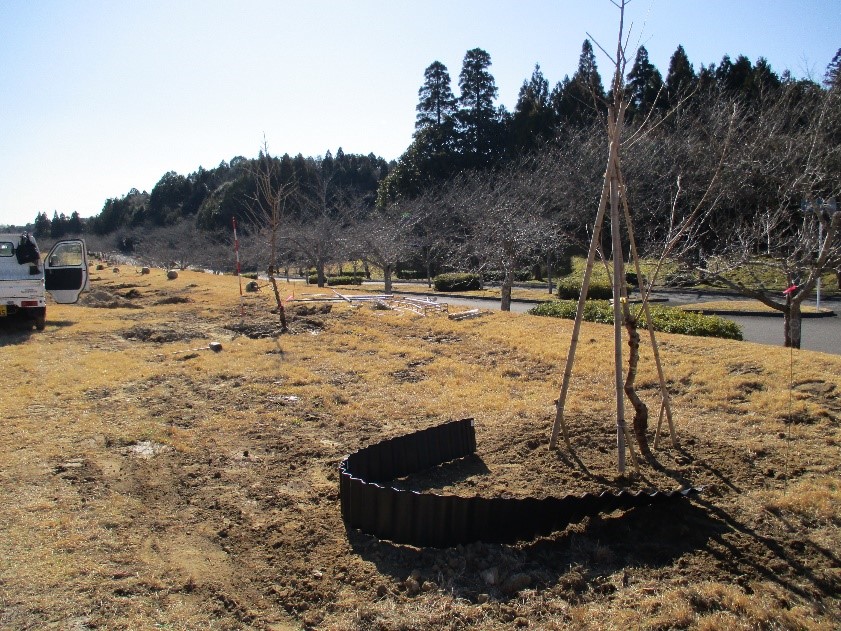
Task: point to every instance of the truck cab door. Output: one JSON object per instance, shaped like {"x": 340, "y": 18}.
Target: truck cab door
{"x": 66, "y": 271}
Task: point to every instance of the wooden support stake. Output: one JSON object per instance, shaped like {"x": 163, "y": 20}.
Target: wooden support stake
{"x": 664, "y": 390}
{"x": 618, "y": 279}
{"x": 659, "y": 425}
{"x": 579, "y": 316}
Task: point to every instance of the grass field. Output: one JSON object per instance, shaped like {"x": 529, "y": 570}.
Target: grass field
{"x": 148, "y": 482}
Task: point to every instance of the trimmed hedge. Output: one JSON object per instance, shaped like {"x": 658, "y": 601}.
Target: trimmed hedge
{"x": 337, "y": 280}
{"x": 410, "y": 274}
{"x": 457, "y": 281}
{"x": 570, "y": 289}
{"x": 497, "y": 276}
{"x": 666, "y": 319}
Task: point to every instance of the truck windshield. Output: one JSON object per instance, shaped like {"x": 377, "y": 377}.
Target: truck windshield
{"x": 6, "y": 248}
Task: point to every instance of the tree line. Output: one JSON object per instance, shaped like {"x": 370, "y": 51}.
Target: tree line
{"x": 470, "y": 132}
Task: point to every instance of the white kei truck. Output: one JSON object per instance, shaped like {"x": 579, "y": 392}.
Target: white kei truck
{"x": 25, "y": 278}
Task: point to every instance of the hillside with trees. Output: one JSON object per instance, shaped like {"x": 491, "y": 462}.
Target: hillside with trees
{"x": 735, "y": 145}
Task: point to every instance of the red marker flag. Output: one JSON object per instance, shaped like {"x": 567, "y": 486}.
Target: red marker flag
{"x": 790, "y": 290}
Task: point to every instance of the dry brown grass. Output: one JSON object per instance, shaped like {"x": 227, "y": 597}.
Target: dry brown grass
{"x": 148, "y": 484}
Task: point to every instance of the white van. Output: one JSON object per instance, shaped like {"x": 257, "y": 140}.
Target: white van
{"x": 24, "y": 278}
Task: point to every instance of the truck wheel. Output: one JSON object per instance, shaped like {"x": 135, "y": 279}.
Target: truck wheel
{"x": 41, "y": 321}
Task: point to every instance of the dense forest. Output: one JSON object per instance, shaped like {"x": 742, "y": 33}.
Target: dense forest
{"x": 735, "y": 145}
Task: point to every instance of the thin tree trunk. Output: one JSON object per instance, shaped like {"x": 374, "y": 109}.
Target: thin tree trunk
{"x": 549, "y": 272}
{"x": 281, "y": 312}
{"x": 640, "y": 409}
{"x": 507, "y": 284}
{"x": 387, "y": 278}
{"x": 793, "y": 325}
{"x": 319, "y": 271}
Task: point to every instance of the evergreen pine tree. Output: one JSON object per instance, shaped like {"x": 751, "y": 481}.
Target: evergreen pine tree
{"x": 533, "y": 118}
{"x": 58, "y": 225}
{"x": 435, "y": 123}
{"x": 437, "y": 103}
{"x": 644, "y": 86}
{"x": 765, "y": 80}
{"x": 681, "y": 79}
{"x": 580, "y": 100}
{"x": 832, "y": 78}
{"x": 479, "y": 121}
{"x": 74, "y": 224}
{"x": 42, "y": 226}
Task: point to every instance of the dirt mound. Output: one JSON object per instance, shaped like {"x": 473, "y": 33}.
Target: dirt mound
{"x": 159, "y": 334}
{"x": 103, "y": 299}
{"x": 255, "y": 330}
{"x": 303, "y": 319}
{"x": 172, "y": 300}
{"x": 309, "y": 310}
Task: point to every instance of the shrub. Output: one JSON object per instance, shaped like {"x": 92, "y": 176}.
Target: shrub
{"x": 250, "y": 275}
{"x": 410, "y": 274}
{"x": 570, "y": 289}
{"x": 563, "y": 265}
{"x": 345, "y": 280}
{"x": 457, "y": 281}
{"x": 497, "y": 275}
{"x": 633, "y": 280}
{"x": 666, "y": 319}
{"x": 338, "y": 280}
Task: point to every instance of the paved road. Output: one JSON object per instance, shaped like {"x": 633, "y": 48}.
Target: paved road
{"x": 819, "y": 334}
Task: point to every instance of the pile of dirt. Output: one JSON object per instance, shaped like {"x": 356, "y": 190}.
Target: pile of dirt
{"x": 310, "y": 310}
{"x": 300, "y": 319}
{"x": 255, "y": 330}
{"x": 158, "y": 334}
{"x": 173, "y": 300}
{"x": 103, "y": 299}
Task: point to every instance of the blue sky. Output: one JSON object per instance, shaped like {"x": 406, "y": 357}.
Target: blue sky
{"x": 97, "y": 97}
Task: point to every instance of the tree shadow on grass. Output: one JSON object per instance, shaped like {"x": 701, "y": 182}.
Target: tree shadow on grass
{"x": 577, "y": 559}
{"x": 583, "y": 557}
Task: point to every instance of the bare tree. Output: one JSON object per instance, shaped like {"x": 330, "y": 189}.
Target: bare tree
{"x": 319, "y": 235}
{"x": 788, "y": 162}
{"x": 267, "y": 214}
{"x": 504, "y": 222}
{"x": 615, "y": 195}
{"x": 384, "y": 238}
{"x": 432, "y": 227}
{"x": 180, "y": 245}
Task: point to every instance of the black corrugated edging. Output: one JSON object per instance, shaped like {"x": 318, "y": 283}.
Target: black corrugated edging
{"x": 429, "y": 519}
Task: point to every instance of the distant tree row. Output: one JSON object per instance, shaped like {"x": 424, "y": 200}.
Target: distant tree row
{"x": 59, "y": 226}
{"x": 453, "y": 134}
{"x": 210, "y": 198}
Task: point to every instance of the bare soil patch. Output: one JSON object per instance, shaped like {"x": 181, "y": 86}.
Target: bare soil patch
{"x": 144, "y": 491}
